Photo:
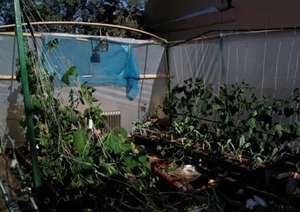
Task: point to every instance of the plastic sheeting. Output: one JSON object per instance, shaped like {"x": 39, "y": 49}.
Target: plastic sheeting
{"x": 269, "y": 62}
{"x": 11, "y": 109}
{"x": 115, "y": 65}
{"x": 149, "y": 59}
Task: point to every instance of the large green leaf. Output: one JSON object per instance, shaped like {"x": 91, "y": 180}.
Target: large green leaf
{"x": 278, "y": 128}
{"x": 71, "y": 72}
{"x": 116, "y": 142}
{"x": 113, "y": 143}
{"x": 130, "y": 163}
{"x": 242, "y": 141}
{"x": 143, "y": 160}
{"x": 297, "y": 125}
{"x": 80, "y": 141}
{"x": 252, "y": 123}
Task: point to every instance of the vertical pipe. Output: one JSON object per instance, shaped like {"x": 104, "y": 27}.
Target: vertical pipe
{"x": 169, "y": 86}
{"x": 30, "y": 135}
{"x": 222, "y": 74}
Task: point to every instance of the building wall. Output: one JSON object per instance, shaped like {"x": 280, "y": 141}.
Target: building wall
{"x": 245, "y": 14}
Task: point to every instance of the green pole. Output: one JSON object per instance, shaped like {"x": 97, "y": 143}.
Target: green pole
{"x": 30, "y": 135}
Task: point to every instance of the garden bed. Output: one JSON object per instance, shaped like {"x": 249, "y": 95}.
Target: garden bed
{"x": 276, "y": 183}
{"x": 214, "y": 151}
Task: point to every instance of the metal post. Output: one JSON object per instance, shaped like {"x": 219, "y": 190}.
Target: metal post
{"x": 30, "y": 135}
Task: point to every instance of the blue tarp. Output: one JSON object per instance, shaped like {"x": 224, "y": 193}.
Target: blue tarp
{"x": 116, "y": 66}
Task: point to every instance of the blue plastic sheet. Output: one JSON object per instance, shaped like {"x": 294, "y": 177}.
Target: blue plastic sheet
{"x": 115, "y": 65}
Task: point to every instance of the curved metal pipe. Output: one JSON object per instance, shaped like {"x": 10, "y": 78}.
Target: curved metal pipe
{"x": 164, "y": 41}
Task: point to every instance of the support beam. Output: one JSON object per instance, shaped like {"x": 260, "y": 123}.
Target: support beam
{"x": 30, "y": 135}
{"x": 141, "y": 77}
{"x": 77, "y": 23}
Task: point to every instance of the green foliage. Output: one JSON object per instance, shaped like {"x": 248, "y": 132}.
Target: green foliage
{"x": 115, "y": 142}
{"x": 117, "y": 145}
{"x": 80, "y": 142}
{"x": 6, "y": 11}
{"x": 86, "y": 94}
{"x": 71, "y": 72}
{"x": 108, "y": 11}
{"x": 95, "y": 115}
{"x": 234, "y": 119}
{"x": 72, "y": 154}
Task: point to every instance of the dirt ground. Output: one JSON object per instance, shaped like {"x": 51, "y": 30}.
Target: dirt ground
{"x": 2, "y": 206}
{"x": 2, "y": 177}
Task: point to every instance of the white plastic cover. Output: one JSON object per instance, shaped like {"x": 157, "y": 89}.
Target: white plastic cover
{"x": 150, "y": 61}
{"x": 269, "y": 62}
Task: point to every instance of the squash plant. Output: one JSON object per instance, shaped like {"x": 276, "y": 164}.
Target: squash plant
{"x": 72, "y": 153}
{"x": 83, "y": 167}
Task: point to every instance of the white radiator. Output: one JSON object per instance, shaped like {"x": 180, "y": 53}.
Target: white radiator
{"x": 112, "y": 119}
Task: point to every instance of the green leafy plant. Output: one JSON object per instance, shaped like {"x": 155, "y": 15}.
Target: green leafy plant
{"x": 233, "y": 120}
{"x": 72, "y": 154}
